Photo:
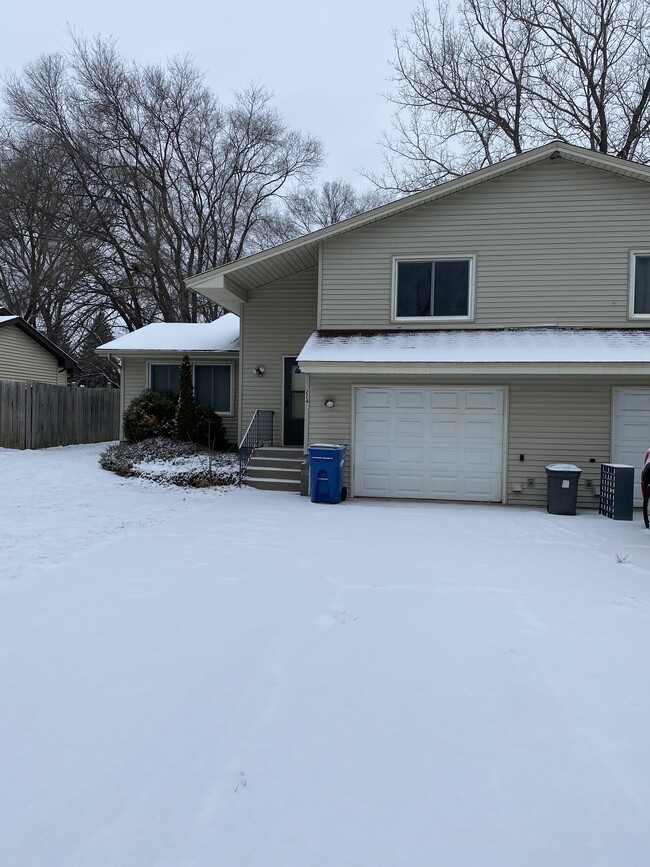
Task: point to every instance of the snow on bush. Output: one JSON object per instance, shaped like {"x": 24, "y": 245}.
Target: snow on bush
{"x": 171, "y": 462}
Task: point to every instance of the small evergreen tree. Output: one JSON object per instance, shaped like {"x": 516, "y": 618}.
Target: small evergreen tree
{"x": 186, "y": 415}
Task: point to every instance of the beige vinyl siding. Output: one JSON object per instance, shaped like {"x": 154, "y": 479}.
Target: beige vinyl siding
{"x": 552, "y": 245}
{"x": 275, "y": 324}
{"x": 547, "y": 420}
{"x": 135, "y": 379}
{"x": 24, "y": 360}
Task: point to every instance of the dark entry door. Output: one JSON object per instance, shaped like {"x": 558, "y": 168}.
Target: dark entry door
{"x": 294, "y": 404}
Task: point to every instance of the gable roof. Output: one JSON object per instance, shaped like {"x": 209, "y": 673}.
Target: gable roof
{"x": 222, "y": 335}
{"x": 229, "y": 284}
{"x": 66, "y": 361}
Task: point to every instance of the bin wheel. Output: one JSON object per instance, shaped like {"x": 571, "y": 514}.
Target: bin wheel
{"x": 646, "y": 497}
{"x": 344, "y": 495}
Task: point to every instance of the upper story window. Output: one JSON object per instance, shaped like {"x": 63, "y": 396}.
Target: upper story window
{"x": 165, "y": 377}
{"x": 433, "y": 288}
{"x": 640, "y": 288}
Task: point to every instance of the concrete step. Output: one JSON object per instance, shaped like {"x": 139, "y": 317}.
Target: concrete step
{"x": 269, "y": 461}
{"x": 270, "y": 484}
{"x": 262, "y": 471}
{"x": 280, "y": 452}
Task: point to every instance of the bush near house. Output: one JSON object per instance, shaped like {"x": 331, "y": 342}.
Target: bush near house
{"x": 210, "y": 430}
{"x": 150, "y": 414}
{"x": 161, "y": 414}
{"x": 171, "y": 462}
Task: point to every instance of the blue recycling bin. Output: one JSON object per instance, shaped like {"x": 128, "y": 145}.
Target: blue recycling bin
{"x": 326, "y": 473}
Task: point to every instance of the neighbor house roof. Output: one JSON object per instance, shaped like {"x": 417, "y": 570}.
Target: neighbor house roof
{"x": 222, "y": 335}
{"x": 66, "y": 361}
{"x": 229, "y": 284}
{"x": 523, "y": 346}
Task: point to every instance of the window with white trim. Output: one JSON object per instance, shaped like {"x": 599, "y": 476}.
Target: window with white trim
{"x": 212, "y": 386}
{"x": 433, "y": 288}
{"x": 165, "y": 377}
{"x": 640, "y": 302}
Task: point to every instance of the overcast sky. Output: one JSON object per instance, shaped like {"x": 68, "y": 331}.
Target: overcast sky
{"x": 326, "y": 63}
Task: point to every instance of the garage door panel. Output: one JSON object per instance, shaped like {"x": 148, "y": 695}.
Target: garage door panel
{"x": 415, "y": 455}
{"x": 372, "y": 427}
{"x": 444, "y": 399}
{"x": 444, "y": 486}
{"x": 631, "y": 437}
{"x": 632, "y": 400}
{"x": 481, "y": 460}
{"x": 375, "y": 398}
{"x": 444, "y": 457}
{"x": 478, "y": 430}
{"x": 426, "y": 443}
{"x": 444, "y": 429}
{"x": 634, "y": 431}
{"x": 410, "y": 427}
{"x": 477, "y": 487}
{"x": 492, "y": 400}
{"x": 376, "y": 484}
{"x": 409, "y": 485}
{"x": 409, "y": 400}
{"x": 374, "y": 454}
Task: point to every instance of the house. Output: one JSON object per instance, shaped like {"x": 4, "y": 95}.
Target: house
{"x": 460, "y": 339}
{"x": 26, "y": 355}
{"x": 151, "y": 358}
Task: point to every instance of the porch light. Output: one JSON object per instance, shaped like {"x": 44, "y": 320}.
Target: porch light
{"x": 329, "y": 402}
{"x": 258, "y": 371}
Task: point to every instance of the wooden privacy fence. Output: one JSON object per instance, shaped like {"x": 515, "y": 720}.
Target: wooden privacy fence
{"x": 34, "y": 415}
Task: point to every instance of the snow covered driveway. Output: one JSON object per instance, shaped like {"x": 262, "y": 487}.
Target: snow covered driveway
{"x": 245, "y": 679}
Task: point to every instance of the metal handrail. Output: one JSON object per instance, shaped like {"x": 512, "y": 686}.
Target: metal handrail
{"x": 258, "y": 433}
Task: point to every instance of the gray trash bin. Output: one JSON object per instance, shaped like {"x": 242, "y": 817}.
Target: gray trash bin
{"x": 562, "y": 488}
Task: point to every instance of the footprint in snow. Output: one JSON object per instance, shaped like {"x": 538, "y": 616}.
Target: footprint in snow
{"x": 631, "y": 602}
{"x": 338, "y": 616}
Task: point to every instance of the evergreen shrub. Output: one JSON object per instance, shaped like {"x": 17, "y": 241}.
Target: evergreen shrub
{"x": 150, "y": 414}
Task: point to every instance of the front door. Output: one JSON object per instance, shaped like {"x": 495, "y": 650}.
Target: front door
{"x": 294, "y": 404}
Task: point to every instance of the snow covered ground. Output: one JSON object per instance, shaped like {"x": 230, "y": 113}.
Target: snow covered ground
{"x": 212, "y": 678}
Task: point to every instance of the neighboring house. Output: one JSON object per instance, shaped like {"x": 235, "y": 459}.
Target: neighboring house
{"x": 151, "y": 358}
{"x": 460, "y": 339}
{"x": 28, "y": 356}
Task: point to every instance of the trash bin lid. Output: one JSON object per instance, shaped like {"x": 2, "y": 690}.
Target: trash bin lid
{"x": 564, "y": 468}
{"x": 325, "y": 446}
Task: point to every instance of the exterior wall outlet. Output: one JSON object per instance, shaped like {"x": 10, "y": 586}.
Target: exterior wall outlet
{"x": 588, "y": 483}
{"x": 530, "y": 482}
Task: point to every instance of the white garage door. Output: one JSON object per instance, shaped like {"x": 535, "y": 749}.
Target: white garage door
{"x": 430, "y": 443}
{"x": 631, "y": 431}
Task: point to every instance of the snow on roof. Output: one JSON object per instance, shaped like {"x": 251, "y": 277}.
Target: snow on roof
{"x": 564, "y": 345}
{"x": 4, "y": 319}
{"x": 222, "y": 335}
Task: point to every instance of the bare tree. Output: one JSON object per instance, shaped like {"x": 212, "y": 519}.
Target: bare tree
{"x": 171, "y": 182}
{"x": 42, "y": 249}
{"x": 501, "y": 76}
{"x": 316, "y": 207}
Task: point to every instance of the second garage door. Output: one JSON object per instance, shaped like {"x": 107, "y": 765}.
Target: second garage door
{"x": 429, "y": 443}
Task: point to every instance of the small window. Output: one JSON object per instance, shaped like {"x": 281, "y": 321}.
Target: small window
{"x": 165, "y": 377}
{"x": 641, "y": 284}
{"x": 212, "y": 386}
{"x": 429, "y": 289}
